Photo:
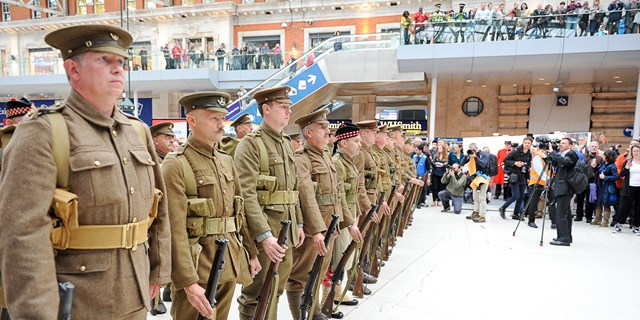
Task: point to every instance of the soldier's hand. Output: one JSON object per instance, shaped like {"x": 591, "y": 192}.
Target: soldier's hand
{"x": 399, "y": 197}
{"x": 415, "y": 181}
{"x": 400, "y": 189}
{"x": 385, "y": 208}
{"x": 154, "y": 290}
{"x": 376, "y": 218}
{"x": 300, "y": 237}
{"x": 254, "y": 266}
{"x": 273, "y": 250}
{"x": 355, "y": 233}
{"x": 195, "y": 295}
{"x": 318, "y": 243}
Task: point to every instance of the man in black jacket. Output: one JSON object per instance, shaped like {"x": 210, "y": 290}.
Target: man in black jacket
{"x": 517, "y": 164}
{"x": 564, "y": 161}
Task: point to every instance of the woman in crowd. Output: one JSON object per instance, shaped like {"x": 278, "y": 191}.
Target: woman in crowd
{"x": 405, "y": 23}
{"x": 630, "y": 193}
{"x": 440, "y": 161}
{"x": 523, "y": 20}
{"x": 608, "y": 196}
{"x": 455, "y": 155}
{"x": 583, "y": 24}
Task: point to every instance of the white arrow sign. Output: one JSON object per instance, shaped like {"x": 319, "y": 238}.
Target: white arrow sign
{"x": 312, "y": 79}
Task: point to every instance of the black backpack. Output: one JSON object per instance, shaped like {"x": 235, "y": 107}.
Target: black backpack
{"x": 492, "y": 165}
{"x": 577, "y": 177}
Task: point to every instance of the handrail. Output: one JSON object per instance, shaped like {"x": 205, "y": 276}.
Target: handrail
{"x": 303, "y": 57}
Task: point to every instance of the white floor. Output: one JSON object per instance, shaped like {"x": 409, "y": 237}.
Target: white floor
{"x": 447, "y": 267}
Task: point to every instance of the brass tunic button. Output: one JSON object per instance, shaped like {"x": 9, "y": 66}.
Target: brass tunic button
{"x": 224, "y": 191}
{"x": 96, "y": 163}
{"x": 114, "y": 133}
{"x": 83, "y": 268}
{"x": 150, "y": 160}
{"x": 125, "y": 160}
{"x": 200, "y": 181}
{"x": 132, "y": 190}
{"x": 226, "y": 209}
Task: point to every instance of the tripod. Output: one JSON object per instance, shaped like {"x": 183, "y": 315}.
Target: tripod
{"x": 549, "y": 170}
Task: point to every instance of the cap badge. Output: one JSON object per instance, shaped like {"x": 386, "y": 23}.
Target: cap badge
{"x": 114, "y": 36}
{"x": 222, "y": 102}
{"x": 88, "y": 43}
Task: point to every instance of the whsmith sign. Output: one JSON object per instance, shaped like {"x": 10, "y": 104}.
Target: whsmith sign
{"x": 407, "y": 125}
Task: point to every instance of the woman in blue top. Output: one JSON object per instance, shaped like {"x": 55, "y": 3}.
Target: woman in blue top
{"x": 606, "y": 176}
{"x": 440, "y": 160}
{"x": 456, "y": 155}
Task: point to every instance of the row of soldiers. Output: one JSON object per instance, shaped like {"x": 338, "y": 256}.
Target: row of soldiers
{"x": 88, "y": 197}
{"x": 281, "y": 180}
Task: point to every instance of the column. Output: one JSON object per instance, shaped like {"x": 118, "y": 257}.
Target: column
{"x": 432, "y": 107}
{"x": 636, "y": 121}
{"x": 363, "y": 108}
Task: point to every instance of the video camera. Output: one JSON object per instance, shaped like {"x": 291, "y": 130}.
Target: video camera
{"x": 545, "y": 143}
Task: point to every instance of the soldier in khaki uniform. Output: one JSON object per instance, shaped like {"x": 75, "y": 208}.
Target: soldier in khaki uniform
{"x": 163, "y": 138}
{"x": 113, "y": 170}
{"x": 367, "y": 166}
{"x": 406, "y": 169}
{"x": 293, "y": 131}
{"x": 210, "y": 174}
{"x": 267, "y": 171}
{"x": 243, "y": 125}
{"x": 318, "y": 200}
{"x": 348, "y": 146}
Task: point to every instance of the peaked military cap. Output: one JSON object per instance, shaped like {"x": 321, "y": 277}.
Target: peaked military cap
{"x": 462, "y": 4}
{"x": 319, "y": 116}
{"x": 347, "y": 130}
{"x": 292, "y": 130}
{"x": 210, "y": 100}
{"x": 368, "y": 124}
{"x": 397, "y": 127}
{"x": 383, "y": 128}
{"x": 438, "y": 5}
{"x": 16, "y": 108}
{"x": 280, "y": 94}
{"x": 244, "y": 118}
{"x": 75, "y": 40}
{"x": 162, "y": 128}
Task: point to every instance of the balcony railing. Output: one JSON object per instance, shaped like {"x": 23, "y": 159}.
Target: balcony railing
{"x": 452, "y": 27}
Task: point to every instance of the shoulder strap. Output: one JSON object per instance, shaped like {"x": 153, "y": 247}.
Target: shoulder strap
{"x": 189, "y": 177}
{"x": 61, "y": 148}
{"x": 140, "y": 130}
{"x": 264, "y": 156}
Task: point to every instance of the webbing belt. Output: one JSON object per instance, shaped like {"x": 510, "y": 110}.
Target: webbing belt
{"x": 352, "y": 198}
{"x": 277, "y": 197}
{"x": 126, "y": 236}
{"x": 214, "y": 225}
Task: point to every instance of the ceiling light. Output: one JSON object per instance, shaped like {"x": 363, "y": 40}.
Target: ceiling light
{"x": 619, "y": 81}
{"x": 484, "y": 86}
{"x": 616, "y": 77}
{"x": 468, "y": 80}
{"x": 541, "y": 79}
{"x": 515, "y": 85}
{"x": 547, "y": 83}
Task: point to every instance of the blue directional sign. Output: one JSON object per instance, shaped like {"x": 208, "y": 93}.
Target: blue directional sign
{"x": 628, "y": 131}
{"x": 306, "y": 83}
{"x": 302, "y": 85}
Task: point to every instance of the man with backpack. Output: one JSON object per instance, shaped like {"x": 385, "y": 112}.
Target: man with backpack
{"x": 517, "y": 164}
{"x": 478, "y": 162}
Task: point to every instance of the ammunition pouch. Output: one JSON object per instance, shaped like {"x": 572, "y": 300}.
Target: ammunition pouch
{"x": 67, "y": 234}
{"x": 195, "y": 249}
{"x": 349, "y": 194}
{"x": 200, "y": 207}
{"x": 328, "y": 199}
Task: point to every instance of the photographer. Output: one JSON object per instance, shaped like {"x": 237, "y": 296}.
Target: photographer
{"x": 564, "y": 161}
{"x": 456, "y": 183}
{"x": 478, "y": 162}
{"x": 537, "y": 181}
{"x": 517, "y": 165}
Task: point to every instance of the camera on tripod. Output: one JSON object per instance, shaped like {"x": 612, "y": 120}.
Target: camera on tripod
{"x": 545, "y": 143}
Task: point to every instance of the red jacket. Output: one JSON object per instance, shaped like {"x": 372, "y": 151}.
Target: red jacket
{"x": 499, "y": 178}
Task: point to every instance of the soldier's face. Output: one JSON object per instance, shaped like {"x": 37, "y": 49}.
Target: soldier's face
{"x": 164, "y": 143}
{"x": 278, "y": 112}
{"x": 367, "y": 136}
{"x": 97, "y": 74}
{"x": 208, "y": 125}
{"x": 382, "y": 138}
{"x": 244, "y": 129}
{"x": 318, "y": 135}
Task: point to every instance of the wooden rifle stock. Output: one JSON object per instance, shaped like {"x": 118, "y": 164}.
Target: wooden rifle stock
{"x": 405, "y": 210}
{"x": 397, "y": 219}
{"x": 384, "y": 221}
{"x": 337, "y": 273}
{"x": 265, "y": 292}
{"x": 214, "y": 275}
{"x": 310, "y": 286}
{"x": 358, "y": 290}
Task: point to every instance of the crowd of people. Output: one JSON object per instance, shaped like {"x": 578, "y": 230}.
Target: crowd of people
{"x": 491, "y": 22}
{"x": 523, "y": 171}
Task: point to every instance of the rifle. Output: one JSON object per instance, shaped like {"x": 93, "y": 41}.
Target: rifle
{"x": 214, "y": 275}
{"x": 337, "y": 273}
{"x": 357, "y": 287}
{"x": 310, "y": 286}
{"x": 375, "y": 269}
{"x": 272, "y": 273}
{"x": 405, "y": 210}
{"x": 397, "y": 213}
{"x": 66, "y": 300}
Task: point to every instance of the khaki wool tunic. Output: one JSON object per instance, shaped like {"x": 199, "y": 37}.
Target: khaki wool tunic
{"x": 113, "y": 173}
{"x": 229, "y": 145}
{"x": 383, "y": 168}
{"x": 366, "y": 164}
{"x": 216, "y": 179}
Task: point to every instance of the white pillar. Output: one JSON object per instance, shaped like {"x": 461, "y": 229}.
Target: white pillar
{"x": 135, "y": 104}
{"x": 432, "y": 108}
{"x": 636, "y": 121}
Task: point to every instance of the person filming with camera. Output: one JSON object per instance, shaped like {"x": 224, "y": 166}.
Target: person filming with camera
{"x": 517, "y": 165}
{"x": 564, "y": 161}
{"x": 478, "y": 164}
